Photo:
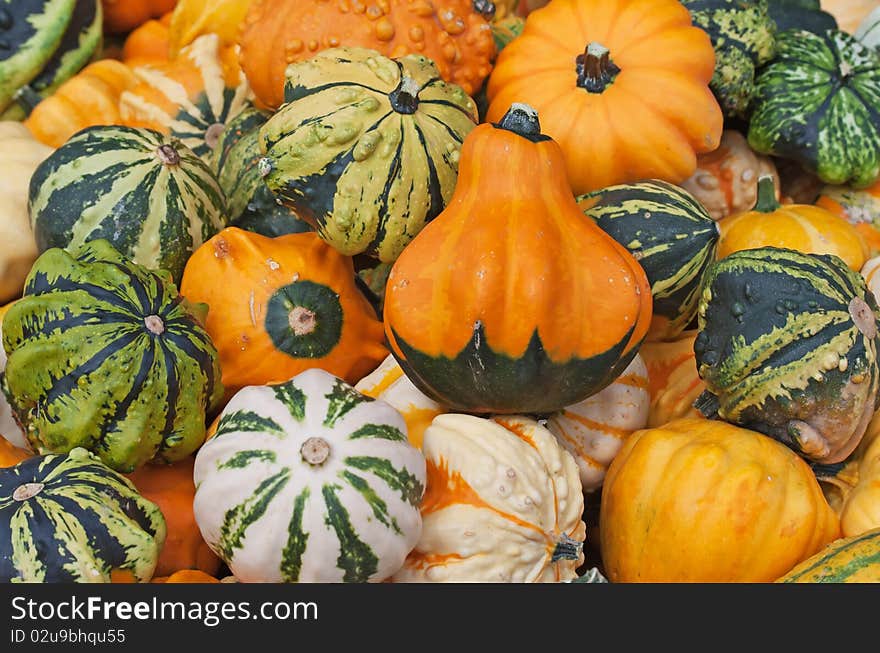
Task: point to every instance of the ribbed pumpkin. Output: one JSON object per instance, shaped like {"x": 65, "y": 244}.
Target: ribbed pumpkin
{"x": 802, "y": 227}
{"x": 193, "y": 18}
{"x": 122, "y": 16}
{"x": 503, "y": 504}
{"x": 671, "y": 236}
{"x": 453, "y": 34}
{"x": 67, "y": 518}
{"x": 148, "y": 194}
{"x": 284, "y": 305}
{"x": 673, "y": 381}
{"x": 788, "y": 347}
{"x": 106, "y": 355}
{"x": 704, "y": 501}
{"x": 510, "y": 301}
{"x": 622, "y": 86}
{"x": 860, "y": 208}
{"x": 150, "y": 43}
{"x": 366, "y": 148}
{"x": 853, "y": 559}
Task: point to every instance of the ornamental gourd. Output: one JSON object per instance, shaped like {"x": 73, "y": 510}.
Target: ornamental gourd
{"x": 309, "y": 481}
{"x": 622, "y": 87}
{"x": 105, "y": 354}
{"x": 673, "y": 381}
{"x": 503, "y": 504}
{"x": 860, "y": 511}
{"x": 788, "y": 347}
{"x": 366, "y": 148}
{"x": 869, "y": 29}
{"x": 801, "y": 14}
{"x": 483, "y": 320}
{"x": 859, "y": 207}
{"x": 871, "y": 273}
{"x": 189, "y": 576}
{"x": 849, "y": 13}
{"x": 704, "y": 501}
{"x": 854, "y": 559}
{"x": 10, "y": 429}
{"x": 122, "y": 16}
{"x": 10, "y": 455}
{"x": 150, "y": 43}
{"x": 194, "y": 18}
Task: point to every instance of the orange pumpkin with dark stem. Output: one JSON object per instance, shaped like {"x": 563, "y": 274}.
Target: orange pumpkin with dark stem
{"x": 149, "y": 43}
{"x": 122, "y": 16}
{"x": 509, "y": 301}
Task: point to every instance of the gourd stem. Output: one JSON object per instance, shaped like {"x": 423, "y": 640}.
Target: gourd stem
{"x": 405, "y": 98}
{"x": 486, "y": 8}
{"x": 28, "y": 99}
{"x": 168, "y": 155}
{"x": 595, "y": 70}
{"x": 567, "y": 549}
{"x": 766, "y": 195}
{"x": 521, "y": 119}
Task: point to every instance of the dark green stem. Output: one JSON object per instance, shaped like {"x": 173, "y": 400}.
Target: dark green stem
{"x": 567, "y": 549}
{"x": 522, "y": 120}
{"x": 766, "y": 195}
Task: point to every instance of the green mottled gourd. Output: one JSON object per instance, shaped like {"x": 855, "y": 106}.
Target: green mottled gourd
{"x": 788, "y": 347}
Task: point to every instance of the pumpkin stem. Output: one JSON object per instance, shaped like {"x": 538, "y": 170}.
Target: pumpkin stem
{"x": 567, "y": 549}
{"x": 708, "y": 404}
{"x": 302, "y": 320}
{"x": 27, "y": 491}
{"x": 486, "y": 8}
{"x": 212, "y": 134}
{"x": 315, "y": 451}
{"x": 522, "y": 120}
{"x": 28, "y": 99}
{"x": 405, "y": 98}
{"x": 595, "y": 70}
{"x": 766, "y": 195}
{"x": 154, "y": 324}
{"x": 168, "y": 155}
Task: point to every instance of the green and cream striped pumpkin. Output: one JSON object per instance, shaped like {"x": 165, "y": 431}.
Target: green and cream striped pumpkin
{"x": 853, "y": 559}
{"x": 148, "y": 194}
{"x": 670, "y": 234}
{"x": 309, "y": 481}
{"x": 106, "y": 355}
{"x": 67, "y": 518}
{"x": 366, "y": 148}
{"x": 788, "y": 347}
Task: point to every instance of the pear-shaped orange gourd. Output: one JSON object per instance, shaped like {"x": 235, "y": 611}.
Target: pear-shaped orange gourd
{"x": 510, "y": 301}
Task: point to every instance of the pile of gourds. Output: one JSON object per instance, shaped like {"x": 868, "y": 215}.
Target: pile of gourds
{"x": 440, "y": 291}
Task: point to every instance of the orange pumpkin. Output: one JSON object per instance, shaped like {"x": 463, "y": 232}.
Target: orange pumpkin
{"x": 10, "y": 455}
{"x": 621, "y": 85}
{"x": 673, "y": 381}
{"x": 193, "y": 18}
{"x": 186, "y": 576}
{"x": 860, "y": 208}
{"x": 284, "y": 305}
{"x": 124, "y": 15}
{"x": 149, "y": 43}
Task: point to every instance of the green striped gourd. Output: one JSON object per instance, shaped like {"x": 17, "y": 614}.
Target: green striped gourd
{"x": 148, "y": 194}
{"x": 670, "y": 234}
{"x": 788, "y": 347}
{"x": 869, "y": 29}
{"x": 249, "y": 202}
{"x": 366, "y": 148}
{"x": 67, "y": 518}
{"x": 105, "y": 354}
{"x": 847, "y": 560}
{"x": 309, "y": 481}
{"x": 818, "y": 103}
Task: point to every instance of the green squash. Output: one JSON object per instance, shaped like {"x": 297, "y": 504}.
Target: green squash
{"x": 788, "y": 347}
{"x": 148, "y": 194}
{"x": 743, "y": 35}
{"x": 366, "y": 148}
{"x": 106, "y": 355}
{"x": 67, "y": 518}
{"x": 818, "y": 103}
{"x": 854, "y": 559}
{"x": 801, "y": 14}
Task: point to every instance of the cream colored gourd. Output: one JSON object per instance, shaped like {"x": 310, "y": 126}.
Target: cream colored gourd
{"x": 503, "y": 504}
{"x": 594, "y": 429}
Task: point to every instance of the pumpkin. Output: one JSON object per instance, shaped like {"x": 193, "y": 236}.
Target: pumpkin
{"x": 193, "y": 18}
{"x": 620, "y": 85}
{"x": 826, "y": 77}
{"x": 800, "y": 14}
{"x": 171, "y": 488}
{"x": 870, "y": 272}
{"x": 122, "y": 16}
{"x": 726, "y": 179}
{"x": 503, "y": 504}
{"x": 704, "y": 501}
{"x": 10, "y": 455}
{"x": 191, "y": 576}
{"x": 788, "y": 347}
{"x": 10, "y": 429}
{"x": 594, "y": 429}
{"x": 150, "y": 195}
{"x": 482, "y": 320}
{"x": 89, "y": 98}
{"x": 860, "y": 511}
{"x": 671, "y": 236}
{"x": 150, "y": 43}
{"x": 673, "y": 381}
{"x": 802, "y": 227}
{"x": 20, "y": 155}
{"x": 366, "y": 148}
{"x": 849, "y": 13}
{"x": 454, "y": 35}
{"x": 286, "y": 304}
{"x": 846, "y": 560}
{"x": 309, "y": 481}
{"x": 859, "y": 207}
{"x": 388, "y": 383}
{"x": 105, "y": 354}
{"x": 869, "y": 29}
{"x": 67, "y": 518}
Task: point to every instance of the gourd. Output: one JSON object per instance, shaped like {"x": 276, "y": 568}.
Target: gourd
{"x": 872, "y": 279}
{"x": 67, "y": 518}
{"x": 191, "y": 576}
{"x": 194, "y": 18}
{"x": 869, "y": 29}
{"x": 10, "y": 429}
{"x": 788, "y": 347}
{"x": 11, "y": 455}
{"x": 148, "y": 194}
{"x": 285, "y": 305}
{"x": 122, "y": 16}
{"x": 673, "y": 381}
{"x": 105, "y": 354}
{"x": 636, "y": 78}
{"x": 802, "y": 227}
{"x": 851, "y": 559}
{"x": 503, "y": 504}
{"x": 861, "y": 208}
{"x": 594, "y": 429}
{"x": 515, "y": 328}
{"x": 366, "y": 148}
{"x": 309, "y": 481}
{"x": 860, "y": 511}
{"x": 149, "y": 43}
{"x": 801, "y": 14}
{"x": 849, "y": 13}
{"x": 704, "y": 501}
{"x": 825, "y": 77}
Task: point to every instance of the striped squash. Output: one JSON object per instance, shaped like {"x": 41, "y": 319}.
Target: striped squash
{"x": 672, "y": 237}
{"x": 149, "y": 195}
{"x": 853, "y": 559}
{"x": 594, "y": 429}
{"x": 67, "y": 518}
{"x": 309, "y": 481}
{"x": 869, "y": 29}
{"x": 366, "y": 148}
{"x": 10, "y": 429}
{"x": 106, "y": 355}
{"x": 788, "y": 347}
{"x": 673, "y": 381}
{"x": 859, "y": 207}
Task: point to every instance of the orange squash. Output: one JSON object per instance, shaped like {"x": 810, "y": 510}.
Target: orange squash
{"x": 149, "y": 43}
{"x": 621, "y": 85}
{"x": 860, "y": 510}
{"x": 122, "y": 16}
{"x": 849, "y": 13}
{"x": 279, "y": 306}
{"x": 186, "y": 576}
{"x": 673, "y": 381}
{"x": 860, "y": 208}
{"x": 193, "y": 18}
